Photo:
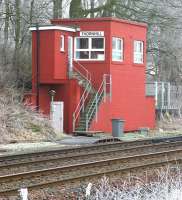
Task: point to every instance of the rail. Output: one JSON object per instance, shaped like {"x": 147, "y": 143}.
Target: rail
{"x": 102, "y": 91}
{"x": 93, "y": 165}
{"x": 85, "y": 74}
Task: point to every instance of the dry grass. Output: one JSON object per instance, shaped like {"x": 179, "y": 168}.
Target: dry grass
{"x": 167, "y": 186}
{"x": 19, "y": 122}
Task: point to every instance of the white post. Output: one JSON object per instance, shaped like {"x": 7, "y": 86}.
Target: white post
{"x": 88, "y": 190}
{"x": 23, "y": 193}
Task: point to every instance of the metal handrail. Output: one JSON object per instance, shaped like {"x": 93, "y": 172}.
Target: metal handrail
{"x": 81, "y": 103}
{"x": 102, "y": 90}
{"x": 88, "y": 74}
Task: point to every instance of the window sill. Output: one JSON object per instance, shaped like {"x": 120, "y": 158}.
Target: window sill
{"x": 138, "y": 65}
{"x": 90, "y": 61}
{"x": 118, "y": 63}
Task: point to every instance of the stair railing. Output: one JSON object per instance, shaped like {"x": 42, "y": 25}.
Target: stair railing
{"x": 101, "y": 92}
{"x": 85, "y": 74}
{"x": 82, "y": 71}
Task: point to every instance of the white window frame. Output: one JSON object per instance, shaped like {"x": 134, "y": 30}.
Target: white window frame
{"x": 118, "y": 50}
{"x": 138, "y": 57}
{"x": 62, "y": 38}
{"x": 89, "y": 49}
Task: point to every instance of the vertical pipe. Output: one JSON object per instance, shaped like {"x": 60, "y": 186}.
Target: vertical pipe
{"x": 96, "y": 107}
{"x": 37, "y": 67}
{"x": 110, "y": 87}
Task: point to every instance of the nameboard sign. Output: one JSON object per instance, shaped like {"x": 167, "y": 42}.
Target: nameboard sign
{"x": 92, "y": 33}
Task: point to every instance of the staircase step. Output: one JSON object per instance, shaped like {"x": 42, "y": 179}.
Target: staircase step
{"x": 90, "y": 105}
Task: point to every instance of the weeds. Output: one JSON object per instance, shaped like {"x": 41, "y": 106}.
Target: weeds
{"x": 167, "y": 185}
{"x": 20, "y": 122}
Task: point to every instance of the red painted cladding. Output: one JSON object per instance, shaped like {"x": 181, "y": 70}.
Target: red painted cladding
{"x": 96, "y": 68}
{"x": 53, "y": 63}
{"x": 128, "y": 79}
{"x": 69, "y": 93}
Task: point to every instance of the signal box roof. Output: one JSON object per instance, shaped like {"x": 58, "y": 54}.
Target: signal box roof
{"x": 100, "y": 19}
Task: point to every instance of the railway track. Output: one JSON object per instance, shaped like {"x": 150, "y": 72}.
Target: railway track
{"x": 16, "y": 166}
{"x": 89, "y": 162}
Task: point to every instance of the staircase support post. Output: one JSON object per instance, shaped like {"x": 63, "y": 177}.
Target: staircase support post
{"x": 110, "y": 89}
{"x": 74, "y": 122}
{"x": 86, "y": 122}
{"x": 83, "y": 104}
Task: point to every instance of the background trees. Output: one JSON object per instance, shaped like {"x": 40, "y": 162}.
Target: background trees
{"x": 164, "y": 32}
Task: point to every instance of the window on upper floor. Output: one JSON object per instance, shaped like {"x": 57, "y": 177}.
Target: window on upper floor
{"x": 91, "y": 48}
{"x": 138, "y": 52}
{"x": 62, "y": 43}
{"x": 117, "y": 49}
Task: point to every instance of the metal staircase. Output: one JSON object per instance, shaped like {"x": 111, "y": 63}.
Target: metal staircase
{"x": 90, "y": 100}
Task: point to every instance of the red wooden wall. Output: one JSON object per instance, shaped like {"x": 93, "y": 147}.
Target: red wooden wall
{"x": 128, "y": 80}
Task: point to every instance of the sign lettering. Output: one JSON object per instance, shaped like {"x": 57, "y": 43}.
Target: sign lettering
{"x": 92, "y": 33}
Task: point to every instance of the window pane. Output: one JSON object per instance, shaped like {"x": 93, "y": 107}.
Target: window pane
{"x": 135, "y": 46}
{"x": 141, "y": 47}
{"x": 97, "y": 43}
{"x": 82, "y": 55}
{"x": 98, "y": 55}
{"x": 118, "y": 44}
{"x": 138, "y": 52}
{"x": 113, "y": 43}
{"x": 82, "y": 43}
{"x": 117, "y": 55}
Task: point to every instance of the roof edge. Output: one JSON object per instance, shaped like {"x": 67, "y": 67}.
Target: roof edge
{"x": 53, "y": 27}
{"x": 100, "y": 19}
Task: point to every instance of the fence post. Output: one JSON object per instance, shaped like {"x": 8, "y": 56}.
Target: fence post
{"x": 169, "y": 95}
{"x": 156, "y": 93}
{"x": 162, "y": 96}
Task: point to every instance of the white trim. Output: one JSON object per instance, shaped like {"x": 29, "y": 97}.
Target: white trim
{"x": 89, "y": 49}
{"x": 138, "y": 57}
{"x": 45, "y": 28}
{"x": 62, "y": 38}
{"x": 70, "y": 53}
{"x": 117, "y": 39}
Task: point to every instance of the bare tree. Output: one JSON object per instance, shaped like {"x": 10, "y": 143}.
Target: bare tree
{"x": 57, "y": 9}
